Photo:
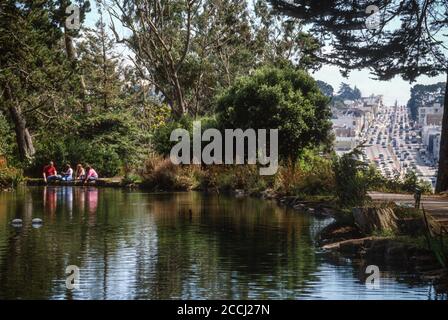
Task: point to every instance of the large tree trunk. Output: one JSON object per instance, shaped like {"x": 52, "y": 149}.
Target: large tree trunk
{"x": 442, "y": 177}
{"x": 23, "y": 136}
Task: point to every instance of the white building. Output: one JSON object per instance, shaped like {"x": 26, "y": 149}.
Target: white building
{"x": 352, "y": 119}
{"x": 431, "y": 139}
{"x": 436, "y": 148}
{"x": 430, "y": 115}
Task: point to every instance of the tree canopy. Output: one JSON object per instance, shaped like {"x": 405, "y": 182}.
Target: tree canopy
{"x": 285, "y": 99}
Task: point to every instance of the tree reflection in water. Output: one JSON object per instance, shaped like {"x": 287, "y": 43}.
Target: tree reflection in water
{"x": 130, "y": 244}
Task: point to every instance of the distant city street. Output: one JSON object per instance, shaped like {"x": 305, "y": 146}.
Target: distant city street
{"x": 394, "y": 144}
{"x": 390, "y": 139}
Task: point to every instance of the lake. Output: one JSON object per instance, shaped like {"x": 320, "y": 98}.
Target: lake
{"x": 138, "y": 245}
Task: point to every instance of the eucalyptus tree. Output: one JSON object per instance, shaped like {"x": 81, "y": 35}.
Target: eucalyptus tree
{"x": 191, "y": 49}
{"x": 36, "y": 80}
{"x": 28, "y": 64}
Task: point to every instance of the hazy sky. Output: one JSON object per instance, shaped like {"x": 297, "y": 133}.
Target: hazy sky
{"x": 395, "y": 89}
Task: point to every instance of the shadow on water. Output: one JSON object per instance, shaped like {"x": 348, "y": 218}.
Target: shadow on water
{"x": 137, "y": 245}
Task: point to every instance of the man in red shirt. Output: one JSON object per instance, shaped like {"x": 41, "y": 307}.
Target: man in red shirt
{"x": 50, "y": 172}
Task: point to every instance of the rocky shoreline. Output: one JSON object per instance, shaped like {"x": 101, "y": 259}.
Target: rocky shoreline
{"x": 347, "y": 239}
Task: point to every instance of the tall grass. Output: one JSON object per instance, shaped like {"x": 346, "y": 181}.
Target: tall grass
{"x": 10, "y": 177}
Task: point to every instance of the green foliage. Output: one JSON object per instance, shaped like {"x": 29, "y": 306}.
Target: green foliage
{"x": 311, "y": 175}
{"x": 408, "y": 184}
{"x": 351, "y": 179}
{"x": 6, "y": 138}
{"x": 285, "y": 99}
{"x": 161, "y": 135}
{"x": 347, "y": 93}
{"x": 421, "y": 93}
{"x": 10, "y": 177}
{"x": 108, "y": 142}
{"x": 325, "y": 88}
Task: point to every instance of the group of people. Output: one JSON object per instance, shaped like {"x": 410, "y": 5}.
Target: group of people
{"x": 51, "y": 174}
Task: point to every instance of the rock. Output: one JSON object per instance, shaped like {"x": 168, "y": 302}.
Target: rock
{"x": 268, "y": 194}
{"x": 396, "y": 253}
{"x": 299, "y": 206}
{"x": 375, "y": 219}
{"x": 239, "y": 193}
{"x": 336, "y": 232}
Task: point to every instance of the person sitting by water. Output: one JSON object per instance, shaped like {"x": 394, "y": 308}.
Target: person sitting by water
{"x": 50, "y": 173}
{"x": 91, "y": 174}
{"x": 68, "y": 174}
{"x": 80, "y": 172}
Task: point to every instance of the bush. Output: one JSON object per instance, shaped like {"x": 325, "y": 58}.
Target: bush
{"x": 161, "y": 135}
{"x": 408, "y": 184}
{"x": 160, "y": 173}
{"x": 10, "y": 177}
{"x": 351, "y": 179}
{"x": 285, "y": 99}
{"x": 109, "y": 142}
{"x": 229, "y": 178}
{"x": 311, "y": 175}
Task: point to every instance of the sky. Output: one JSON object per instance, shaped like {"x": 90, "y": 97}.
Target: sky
{"x": 393, "y": 90}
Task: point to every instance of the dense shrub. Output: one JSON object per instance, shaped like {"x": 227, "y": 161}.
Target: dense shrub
{"x": 351, "y": 179}
{"x": 159, "y": 173}
{"x": 310, "y": 175}
{"x": 285, "y": 99}
{"x": 10, "y": 177}
{"x": 161, "y": 135}
{"x": 408, "y": 184}
{"x": 229, "y": 178}
{"x": 109, "y": 142}
{"x": 7, "y": 140}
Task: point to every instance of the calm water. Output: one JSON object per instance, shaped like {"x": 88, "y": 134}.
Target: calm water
{"x": 135, "y": 245}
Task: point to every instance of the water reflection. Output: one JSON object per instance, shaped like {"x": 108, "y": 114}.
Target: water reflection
{"x": 134, "y": 245}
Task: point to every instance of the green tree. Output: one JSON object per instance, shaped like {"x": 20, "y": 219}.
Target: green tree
{"x": 347, "y": 93}
{"x": 100, "y": 65}
{"x": 325, "y": 88}
{"x": 31, "y": 67}
{"x": 190, "y": 49}
{"x": 285, "y": 99}
{"x": 423, "y": 93}
{"x": 352, "y": 179}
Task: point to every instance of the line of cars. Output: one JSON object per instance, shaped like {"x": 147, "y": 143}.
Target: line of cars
{"x": 396, "y": 146}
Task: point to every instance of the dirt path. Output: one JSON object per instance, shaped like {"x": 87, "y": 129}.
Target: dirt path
{"x": 436, "y": 206}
